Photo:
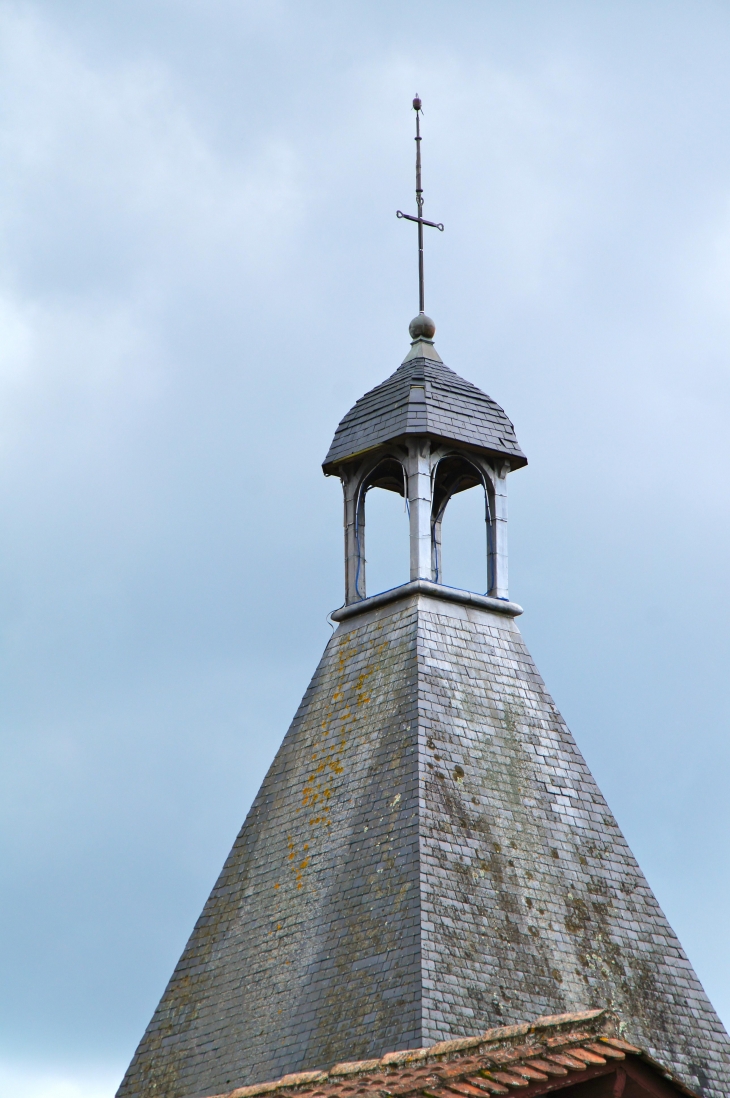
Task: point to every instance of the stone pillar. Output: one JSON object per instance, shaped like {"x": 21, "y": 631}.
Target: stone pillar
{"x": 498, "y": 539}
{"x": 419, "y": 504}
{"x": 354, "y": 537}
{"x": 436, "y": 550}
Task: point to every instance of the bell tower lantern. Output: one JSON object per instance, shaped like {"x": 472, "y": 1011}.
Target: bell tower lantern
{"x": 426, "y": 434}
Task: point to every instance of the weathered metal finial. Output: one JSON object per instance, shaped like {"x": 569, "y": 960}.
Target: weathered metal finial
{"x": 422, "y": 327}
{"x": 420, "y": 221}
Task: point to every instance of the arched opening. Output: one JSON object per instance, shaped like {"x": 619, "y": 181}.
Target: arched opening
{"x": 461, "y": 526}
{"x": 387, "y": 551}
{"x": 464, "y": 542}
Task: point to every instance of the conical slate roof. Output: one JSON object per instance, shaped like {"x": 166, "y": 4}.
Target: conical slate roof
{"x": 428, "y": 857}
{"x": 424, "y": 397}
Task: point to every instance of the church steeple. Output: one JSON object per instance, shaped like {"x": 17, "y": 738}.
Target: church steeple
{"x": 429, "y": 856}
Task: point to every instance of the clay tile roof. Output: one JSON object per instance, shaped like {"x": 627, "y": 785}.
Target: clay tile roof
{"x": 531, "y": 1059}
{"x": 424, "y": 397}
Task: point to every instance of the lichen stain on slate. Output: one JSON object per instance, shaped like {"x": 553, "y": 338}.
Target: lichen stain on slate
{"x": 488, "y": 882}
{"x": 379, "y": 912}
{"x": 530, "y": 889}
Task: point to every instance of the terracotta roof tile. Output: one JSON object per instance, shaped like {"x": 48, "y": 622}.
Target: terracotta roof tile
{"x": 480, "y": 1082}
{"x": 570, "y": 1062}
{"x": 614, "y": 1042}
{"x": 485, "y": 1084}
{"x": 606, "y": 1050}
{"x": 549, "y": 1067}
{"x": 569, "y": 1047}
{"x": 531, "y": 1072}
{"x": 511, "y": 1080}
{"x": 586, "y": 1056}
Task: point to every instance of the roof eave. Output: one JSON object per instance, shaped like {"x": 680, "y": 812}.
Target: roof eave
{"x": 516, "y": 458}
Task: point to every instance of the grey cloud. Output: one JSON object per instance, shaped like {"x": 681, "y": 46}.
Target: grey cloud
{"x": 201, "y": 270}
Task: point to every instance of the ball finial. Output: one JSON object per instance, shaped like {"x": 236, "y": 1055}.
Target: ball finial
{"x": 417, "y": 103}
{"x": 422, "y": 327}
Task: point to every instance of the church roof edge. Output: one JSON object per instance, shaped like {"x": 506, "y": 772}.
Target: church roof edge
{"x": 569, "y": 1047}
{"x": 434, "y": 590}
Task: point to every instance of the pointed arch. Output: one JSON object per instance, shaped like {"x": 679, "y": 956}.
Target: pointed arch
{"x": 454, "y": 473}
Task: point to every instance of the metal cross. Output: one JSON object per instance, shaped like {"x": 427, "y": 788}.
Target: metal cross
{"x": 420, "y": 220}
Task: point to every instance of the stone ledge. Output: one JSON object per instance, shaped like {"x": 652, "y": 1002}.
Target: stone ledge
{"x": 434, "y": 591}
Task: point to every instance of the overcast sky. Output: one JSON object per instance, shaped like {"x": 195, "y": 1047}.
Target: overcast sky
{"x": 201, "y": 270}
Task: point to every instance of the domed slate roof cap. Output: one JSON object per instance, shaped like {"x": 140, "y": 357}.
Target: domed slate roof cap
{"x": 424, "y": 397}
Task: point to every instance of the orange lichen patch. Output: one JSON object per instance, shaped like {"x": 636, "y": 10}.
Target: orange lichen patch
{"x": 557, "y": 1055}
{"x": 326, "y": 755}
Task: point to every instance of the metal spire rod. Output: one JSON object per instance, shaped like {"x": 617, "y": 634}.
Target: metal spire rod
{"x": 420, "y": 220}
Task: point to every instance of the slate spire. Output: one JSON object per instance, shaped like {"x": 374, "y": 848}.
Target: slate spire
{"x": 428, "y": 856}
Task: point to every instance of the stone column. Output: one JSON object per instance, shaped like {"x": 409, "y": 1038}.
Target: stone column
{"x": 499, "y": 588}
{"x": 419, "y": 504}
{"x": 354, "y": 538}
